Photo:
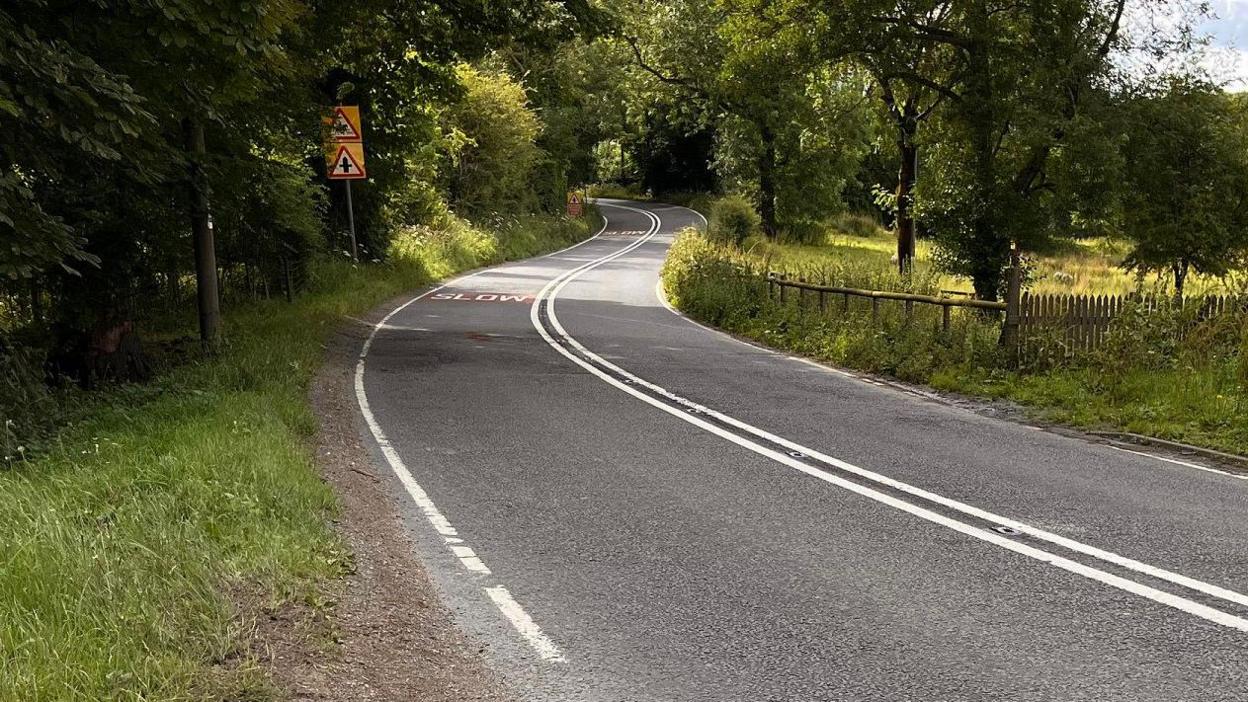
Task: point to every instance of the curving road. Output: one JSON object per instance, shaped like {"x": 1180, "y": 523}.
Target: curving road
{"x": 622, "y": 505}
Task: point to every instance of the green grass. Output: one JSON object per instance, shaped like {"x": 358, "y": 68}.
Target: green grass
{"x": 124, "y": 547}
{"x": 1146, "y": 379}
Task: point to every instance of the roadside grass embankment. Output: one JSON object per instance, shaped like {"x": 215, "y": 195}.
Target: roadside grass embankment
{"x": 1158, "y": 373}
{"x": 139, "y": 547}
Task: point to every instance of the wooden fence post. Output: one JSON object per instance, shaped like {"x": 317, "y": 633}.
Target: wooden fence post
{"x": 875, "y": 310}
{"x": 944, "y": 318}
{"x": 782, "y": 285}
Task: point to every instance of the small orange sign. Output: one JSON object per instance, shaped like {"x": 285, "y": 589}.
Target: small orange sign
{"x": 344, "y": 124}
{"x": 345, "y": 162}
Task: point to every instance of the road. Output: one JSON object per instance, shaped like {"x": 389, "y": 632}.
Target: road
{"x": 620, "y": 504}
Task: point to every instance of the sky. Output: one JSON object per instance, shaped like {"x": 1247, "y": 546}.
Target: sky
{"x": 1227, "y": 55}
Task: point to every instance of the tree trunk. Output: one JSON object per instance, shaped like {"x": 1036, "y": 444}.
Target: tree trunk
{"x": 767, "y": 182}
{"x": 906, "y": 177}
{"x": 989, "y": 250}
{"x": 205, "y": 248}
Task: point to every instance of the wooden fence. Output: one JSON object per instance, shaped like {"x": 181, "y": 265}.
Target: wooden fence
{"x": 1078, "y": 322}
{"x": 779, "y": 282}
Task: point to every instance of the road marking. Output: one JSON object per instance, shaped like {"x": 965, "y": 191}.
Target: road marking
{"x": 467, "y": 557}
{"x": 524, "y": 624}
{"x": 1197, "y": 466}
{"x": 481, "y": 297}
{"x": 689, "y": 411}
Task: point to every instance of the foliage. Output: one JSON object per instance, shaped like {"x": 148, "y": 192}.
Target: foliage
{"x": 1185, "y": 206}
{"x": 496, "y": 132}
{"x": 733, "y": 219}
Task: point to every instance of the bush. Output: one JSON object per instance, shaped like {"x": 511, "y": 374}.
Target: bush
{"x": 733, "y": 219}
{"x": 857, "y": 224}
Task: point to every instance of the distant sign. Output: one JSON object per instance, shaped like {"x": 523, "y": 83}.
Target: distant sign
{"x": 576, "y": 204}
{"x": 344, "y": 124}
{"x": 345, "y": 162}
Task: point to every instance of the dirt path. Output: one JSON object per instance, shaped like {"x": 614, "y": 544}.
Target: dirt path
{"x": 396, "y": 641}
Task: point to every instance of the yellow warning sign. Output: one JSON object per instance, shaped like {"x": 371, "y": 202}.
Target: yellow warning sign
{"x": 576, "y": 204}
{"x": 344, "y": 124}
{"x": 345, "y": 162}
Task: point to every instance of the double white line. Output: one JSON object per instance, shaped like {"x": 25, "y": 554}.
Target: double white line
{"x": 802, "y": 458}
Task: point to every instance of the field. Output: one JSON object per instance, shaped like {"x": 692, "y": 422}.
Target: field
{"x": 142, "y": 542}
{"x": 1082, "y": 267}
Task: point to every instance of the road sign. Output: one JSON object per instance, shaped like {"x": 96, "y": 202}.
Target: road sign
{"x": 344, "y": 156}
{"x": 576, "y": 204}
{"x": 344, "y": 124}
{"x": 345, "y": 162}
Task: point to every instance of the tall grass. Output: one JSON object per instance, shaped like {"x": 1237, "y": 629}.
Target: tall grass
{"x": 123, "y": 547}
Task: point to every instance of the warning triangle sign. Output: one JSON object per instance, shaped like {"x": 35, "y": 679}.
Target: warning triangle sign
{"x": 342, "y": 127}
{"x": 574, "y": 199}
{"x": 348, "y": 163}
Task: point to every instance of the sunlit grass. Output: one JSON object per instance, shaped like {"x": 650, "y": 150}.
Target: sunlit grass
{"x": 1086, "y": 267}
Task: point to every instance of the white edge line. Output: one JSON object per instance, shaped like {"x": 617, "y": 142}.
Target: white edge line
{"x": 524, "y": 624}
{"x": 1191, "y": 607}
{"x": 467, "y": 557}
{"x": 1197, "y": 466}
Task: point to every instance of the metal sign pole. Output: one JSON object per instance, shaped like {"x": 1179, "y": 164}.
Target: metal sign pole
{"x": 355, "y": 254}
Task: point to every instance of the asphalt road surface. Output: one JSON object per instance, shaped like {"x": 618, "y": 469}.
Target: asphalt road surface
{"x": 620, "y": 504}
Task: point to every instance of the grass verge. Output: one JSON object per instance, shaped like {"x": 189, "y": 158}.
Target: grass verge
{"x": 1143, "y": 380}
{"x": 126, "y": 547}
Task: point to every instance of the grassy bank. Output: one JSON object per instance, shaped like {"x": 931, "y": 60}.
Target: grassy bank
{"x": 126, "y": 546}
{"x": 1145, "y": 379}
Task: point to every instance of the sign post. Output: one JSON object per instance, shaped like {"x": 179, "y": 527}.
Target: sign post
{"x": 344, "y": 157}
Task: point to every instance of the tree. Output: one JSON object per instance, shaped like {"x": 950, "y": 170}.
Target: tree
{"x": 1030, "y": 73}
{"x": 777, "y": 114}
{"x": 491, "y": 170}
{"x": 1185, "y": 205}
{"x": 914, "y": 69}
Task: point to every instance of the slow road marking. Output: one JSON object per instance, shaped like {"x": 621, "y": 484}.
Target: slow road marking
{"x": 480, "y": 297}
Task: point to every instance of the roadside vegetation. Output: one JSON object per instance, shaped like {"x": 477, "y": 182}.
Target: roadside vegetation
{"x": 158, "y": 491}
{"x": 141, "y": 543}
{"x": 1160, "y": 372}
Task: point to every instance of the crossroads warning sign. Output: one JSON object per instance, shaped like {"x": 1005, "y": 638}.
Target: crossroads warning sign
{"x": 345, "y": 162}
{"x": 344, "y": 124}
